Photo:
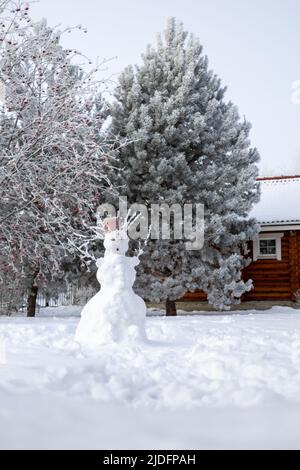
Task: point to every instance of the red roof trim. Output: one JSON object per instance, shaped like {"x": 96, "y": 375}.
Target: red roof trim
{"x": 272, "y": 178}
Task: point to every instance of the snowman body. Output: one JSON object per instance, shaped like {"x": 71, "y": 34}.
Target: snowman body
{"x": 115, "y": 313}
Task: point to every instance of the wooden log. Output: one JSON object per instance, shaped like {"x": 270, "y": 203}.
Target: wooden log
{"x": 294, "y": 265}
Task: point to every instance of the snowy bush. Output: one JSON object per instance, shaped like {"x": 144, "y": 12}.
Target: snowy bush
{"x": 297, "y": 297}
{"x": 11, "y": 297}
{"x": 82, "y": 295}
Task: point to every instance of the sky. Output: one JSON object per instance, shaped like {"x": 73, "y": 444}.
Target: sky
{"x": 253, "y": 45}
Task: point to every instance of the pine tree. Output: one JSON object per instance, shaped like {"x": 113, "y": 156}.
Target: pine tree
{"x": 189, "y": 145}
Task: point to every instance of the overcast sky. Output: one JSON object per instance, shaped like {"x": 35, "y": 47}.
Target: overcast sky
{"x": 253, "y": 45}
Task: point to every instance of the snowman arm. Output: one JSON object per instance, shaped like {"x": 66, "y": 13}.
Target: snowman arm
{"x": 141, "y": 248}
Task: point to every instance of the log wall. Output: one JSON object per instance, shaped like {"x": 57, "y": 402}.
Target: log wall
{"x": 272, "y": 279}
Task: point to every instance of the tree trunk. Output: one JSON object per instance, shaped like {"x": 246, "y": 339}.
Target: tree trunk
{"x": 31, "y": 301}
{"x": 171, "y": 308}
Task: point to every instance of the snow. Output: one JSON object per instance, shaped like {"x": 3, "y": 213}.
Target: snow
{"x": 201, "y": 381}
{"x": 279, "y": 201}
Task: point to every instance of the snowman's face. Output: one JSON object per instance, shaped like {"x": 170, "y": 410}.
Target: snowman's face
{"x": 116, "y": 243}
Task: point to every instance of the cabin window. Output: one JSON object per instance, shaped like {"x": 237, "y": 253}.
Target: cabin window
{"x": 267, "y": 246}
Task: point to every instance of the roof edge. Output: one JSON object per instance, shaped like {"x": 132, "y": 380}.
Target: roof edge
{"x": 274, "y": 178}
{"x": 279, "y": 227}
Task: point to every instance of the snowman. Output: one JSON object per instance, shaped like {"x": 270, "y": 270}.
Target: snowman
{"x": 115, "y": 313}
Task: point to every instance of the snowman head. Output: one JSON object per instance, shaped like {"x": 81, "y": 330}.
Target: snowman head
{"x": 116, "y": 242}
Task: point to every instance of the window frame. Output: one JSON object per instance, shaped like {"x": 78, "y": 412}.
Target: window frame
{"x": 267, "y": 236}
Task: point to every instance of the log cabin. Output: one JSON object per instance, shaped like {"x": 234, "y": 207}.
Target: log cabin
{"x": 275, "y": 253}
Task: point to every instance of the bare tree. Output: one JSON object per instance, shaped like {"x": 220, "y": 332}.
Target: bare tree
{"x": 53, "y": 154}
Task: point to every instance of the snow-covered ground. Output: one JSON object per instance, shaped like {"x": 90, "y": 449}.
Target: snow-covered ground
{"x": 202, "y": 381}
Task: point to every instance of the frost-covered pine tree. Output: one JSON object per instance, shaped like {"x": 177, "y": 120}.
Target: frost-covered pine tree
{"x": 53, "y": 156}
{"x": 189, "y": 146}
